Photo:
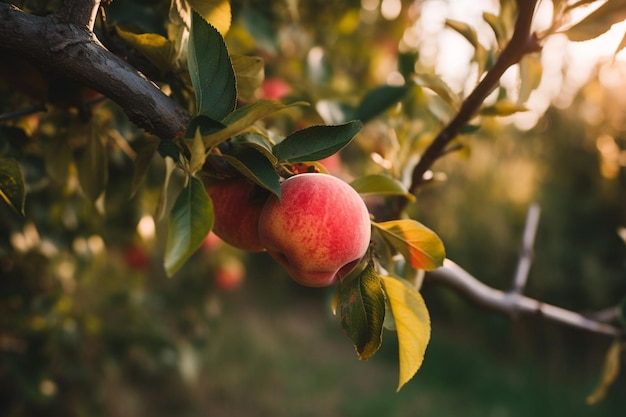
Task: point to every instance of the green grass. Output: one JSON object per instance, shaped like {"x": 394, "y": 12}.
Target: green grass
{"x": 288, "y": 357}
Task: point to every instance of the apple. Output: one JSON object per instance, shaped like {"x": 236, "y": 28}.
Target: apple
{"x": 274, "y": 89}
{"x": 319, "y": 231}
{"x": 236, "y": 207}
{"x": 230, "y": 274}
{"x": 212, "y": 241}
{"x": 137, "y": 258}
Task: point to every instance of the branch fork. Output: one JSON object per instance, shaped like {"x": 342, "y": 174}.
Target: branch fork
{"x": 64, "y": 43}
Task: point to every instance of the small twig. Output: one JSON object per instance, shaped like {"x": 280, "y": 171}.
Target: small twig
{"x": 43, "y": 108}
{"x": 23, "y": 112}
{"x": 456, "y": 278}
{"x": 528, "y": 241}
{"x": 608, "y": 315}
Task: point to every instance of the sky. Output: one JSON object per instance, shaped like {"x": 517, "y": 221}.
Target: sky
{"x": 450, "y": 53}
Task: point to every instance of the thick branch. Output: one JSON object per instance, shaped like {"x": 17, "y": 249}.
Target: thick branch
{"x": 456, "y": 278}
{"x": 521, "y": 43}
{"x": 80, "y": 12}
{"x": 74, "y": 52}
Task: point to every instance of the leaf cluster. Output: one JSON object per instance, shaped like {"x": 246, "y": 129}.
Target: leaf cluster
{"x": 227, "y": 137}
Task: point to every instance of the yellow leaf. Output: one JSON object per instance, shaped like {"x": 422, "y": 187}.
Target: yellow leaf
{"x": 598, "y": 22}
{"x": 197, "y": 153}
{"x": 156, "y": 48}
{"x": 609, "y": 372}
{"x": 502, "y": 108}
{"x": 412, "y": 325}
{"x": 531, "y": 72}
{"x": 250, "y": 72}
{"x": 419, "y": 245}
{"x": 216, "y": 12}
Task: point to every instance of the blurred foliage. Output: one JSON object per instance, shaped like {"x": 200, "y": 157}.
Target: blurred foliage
{"x": 90, "y": 325}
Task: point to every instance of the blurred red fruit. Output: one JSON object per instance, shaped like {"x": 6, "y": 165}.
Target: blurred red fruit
{"x": 230, "y": 274}
{"x": 136, "y": 258}
{"x": 274, "y": 89}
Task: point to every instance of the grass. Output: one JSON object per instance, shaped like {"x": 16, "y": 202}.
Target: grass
{"x": 287, "y": 357}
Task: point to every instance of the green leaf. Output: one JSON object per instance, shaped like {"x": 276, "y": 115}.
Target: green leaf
{"x": 378, "y": 100}
{"x": 92, "y": 166}
{"x": 362, "y": 310}
{"x": 190, "y": 221}
{"x": 58, "y": 158}
{"x": 316, "y": 142}
{"x": 419, "y": 245}
{"x": 261, "y": 28}
{"x": 242, "y": 118}
{"x": 168, "y": 148}
{"x": 249, "y": 72}
{"x": 156, "y": 48}
{"x": 610, "y": 371}
{"x": 598, "y": 22}
{"x": 246, "y": 115}
{"x": 259, "y": 141}
{"x": 335, "y": 112}
{"x": 12, "y": 189}
{"x": 144, "y": 152}
{"x": 469, "y": 129}
{"x": 170, "y": 168}
{"x": 436, "y": 84}
{"x": 206, "y": 125}
{"x": 412, "y": 323}
{"x": 255, "y": 166}
{"x": 378, "y": 184}
{"x": 211, "y": 70}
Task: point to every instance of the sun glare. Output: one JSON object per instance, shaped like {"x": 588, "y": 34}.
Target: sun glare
{"x": 566, "y": 65}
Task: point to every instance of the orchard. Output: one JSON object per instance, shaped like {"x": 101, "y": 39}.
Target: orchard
{"x": 200, "y": 200}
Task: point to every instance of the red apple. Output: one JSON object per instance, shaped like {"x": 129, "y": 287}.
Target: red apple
{"x": 274, "y": 88}
{"x": 212, "y": 241}
{"x": 237, "y": 207}
{"x": 230, "y": 274}
{"x": 319, "y": 231}
{"x": 137, "y": 258}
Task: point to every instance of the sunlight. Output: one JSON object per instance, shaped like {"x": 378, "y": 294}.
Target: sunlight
{"x": 566, "y": 65}
{"x": 146, "y": 228}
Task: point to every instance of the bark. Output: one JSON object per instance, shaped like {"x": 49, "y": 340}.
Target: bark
{"x": 71, "y": 49}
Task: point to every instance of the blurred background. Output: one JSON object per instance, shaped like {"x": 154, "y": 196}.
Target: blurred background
{"x": 90, "y": 324}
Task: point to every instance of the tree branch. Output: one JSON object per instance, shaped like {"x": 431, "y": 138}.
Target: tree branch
{"x": 453, "y": 276}
{"x": 521, "y": 43}
{"x": 528, "y": 241}
{"x": 73, "y": 51}
{"x": 80, "y": 12}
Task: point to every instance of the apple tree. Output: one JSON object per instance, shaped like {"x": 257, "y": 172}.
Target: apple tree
{"x": 133, "y": 133}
